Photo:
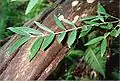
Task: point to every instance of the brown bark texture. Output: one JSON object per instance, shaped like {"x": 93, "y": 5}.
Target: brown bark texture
{"x": 17, "y": 66}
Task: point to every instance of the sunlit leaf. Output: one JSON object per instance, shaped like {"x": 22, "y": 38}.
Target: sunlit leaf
{"x": 29, "y": 30}
{"x": 103, "y": 46}
{"x": 17, "y": 31}
{"x": 58, "y": 22}
{"x": 31, "y": 4}
{"x": 71, "y": 38}
{"x": 17, "y": 44}
{"x": 101, "y": 9}
{"x": 61, "y": 37}
{"x": 47, "y": 41}
{"x": 43, "y": 27}
{"x": 35, "y": 47}
{"x": 95, "y": 40}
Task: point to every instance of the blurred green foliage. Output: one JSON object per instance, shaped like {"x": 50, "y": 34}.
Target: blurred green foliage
{"x": 12, "y": 14}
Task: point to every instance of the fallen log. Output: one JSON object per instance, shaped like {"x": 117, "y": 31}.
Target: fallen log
{"x": 17, "y": 67}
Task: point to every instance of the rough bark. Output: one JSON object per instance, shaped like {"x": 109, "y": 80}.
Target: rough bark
{"x": 17, "y": 67}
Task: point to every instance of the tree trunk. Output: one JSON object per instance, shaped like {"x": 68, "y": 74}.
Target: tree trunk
{"x": 17, "y": 67}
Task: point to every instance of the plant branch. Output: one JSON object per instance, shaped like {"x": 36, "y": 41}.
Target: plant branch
{"x": 57, "y": 33}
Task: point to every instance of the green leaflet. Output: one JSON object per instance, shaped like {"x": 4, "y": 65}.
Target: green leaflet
{"x": 35, "y": 47}
{"x": 61, "y": 37}
{"x": 101, "y": 9}
{"x": 95, "y": 40}
{"x": 69, "y": 22}
{"x": 31, "y": 4}
{"x": 88, "y": 18}
{"x": 24, "y": 30}
{"x": 71, "y": 38}
{"x": 17, "y": 44}
{"x": 83, "y": 33}
{"x": 103, "y": 46}
{"x": 43, "y": 27}
{"x": 20, "y": 32}
{"x": 47, "y": 41}
{"x": 58, "y": 22}
{"x": 93, "y": 59}
{"x": 29, "y": 30}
